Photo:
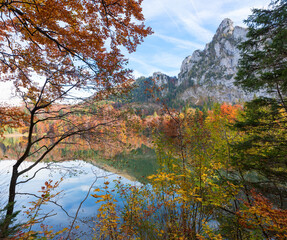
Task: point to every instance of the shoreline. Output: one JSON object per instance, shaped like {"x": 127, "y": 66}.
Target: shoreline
{"x": 15, "y": 135}
{"x": 114, "y": 170}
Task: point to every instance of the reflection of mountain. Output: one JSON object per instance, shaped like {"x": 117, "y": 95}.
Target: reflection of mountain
{"x": 138, "y": 163}
{"x": 135, "y": 164}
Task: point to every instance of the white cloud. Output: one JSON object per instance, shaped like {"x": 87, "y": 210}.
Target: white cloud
{"x": 167, "y": 63}
{"x": 236, "y": 15}
{"x": 167, "y": 59}
{"x": 180, "y": 43}
{"x": 181, "y": 14}
{"x": 195, "y": 29}
{"x": 152, "y": 9}
{"x": 138, "y": 74}
{"x": 144, "y": 64}
{"x": 239, "y": 14}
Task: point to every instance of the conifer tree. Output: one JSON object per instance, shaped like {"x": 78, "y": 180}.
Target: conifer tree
{"x": 263, "y": 68}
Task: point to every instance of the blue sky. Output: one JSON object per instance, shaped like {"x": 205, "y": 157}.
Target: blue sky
{"x": 182, "y": 26}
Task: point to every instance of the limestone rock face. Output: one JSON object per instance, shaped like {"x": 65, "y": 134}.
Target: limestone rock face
{"x": 210, "y": 73}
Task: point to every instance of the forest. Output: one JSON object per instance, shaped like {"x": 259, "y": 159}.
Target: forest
{"x": 220, "y": 170}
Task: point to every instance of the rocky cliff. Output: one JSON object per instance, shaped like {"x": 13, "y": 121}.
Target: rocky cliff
{"x": 209, "y": 74}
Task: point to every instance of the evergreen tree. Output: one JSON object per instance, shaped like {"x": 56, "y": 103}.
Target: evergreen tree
{"x": 263, "y": 67}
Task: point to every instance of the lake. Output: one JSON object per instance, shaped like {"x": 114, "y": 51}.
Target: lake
{"x": 130, "y": 166}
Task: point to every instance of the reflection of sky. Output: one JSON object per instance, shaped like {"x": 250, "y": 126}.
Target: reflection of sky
{"x": 78, "y": 177}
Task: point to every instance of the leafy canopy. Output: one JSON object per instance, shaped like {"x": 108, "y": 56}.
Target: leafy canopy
{"x": 70, "y": 44}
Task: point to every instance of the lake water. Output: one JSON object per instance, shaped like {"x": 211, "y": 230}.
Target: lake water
{"x": 78, "y": 176}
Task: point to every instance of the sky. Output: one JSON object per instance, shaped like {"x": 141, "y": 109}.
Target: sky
{"x": 181, "y": 27}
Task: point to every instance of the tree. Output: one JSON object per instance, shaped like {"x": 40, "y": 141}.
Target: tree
{"x": 54, "y": 50}
{"x": 260, "y": 212}
{"x": 263, "y": 67}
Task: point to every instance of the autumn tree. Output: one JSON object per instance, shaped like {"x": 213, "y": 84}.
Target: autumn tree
{"x": 56, "y": 51}
{"x": 192, "y": 184}
{"x": 260, "y": 214}
{"x": 195, "y": 186}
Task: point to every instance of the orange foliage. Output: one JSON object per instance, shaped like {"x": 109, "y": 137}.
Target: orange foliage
{"x": 13, "y": 117}
{"x": 57, "y": 50}
{"x": 170, "y": 124}
{"x": 226, "y": 111}
{"x": 230, "y": 111}
{"x": 165, "y": 124}
{"x": 51, "y": 47}
{"x": 122, "y": 133}
{"x": 261, "y": 212}
{"x": 169, "y": 127}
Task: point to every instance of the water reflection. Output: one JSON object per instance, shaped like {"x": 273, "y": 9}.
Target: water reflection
{"x": 77, "y": 179}
{"x": 135, "y": 162}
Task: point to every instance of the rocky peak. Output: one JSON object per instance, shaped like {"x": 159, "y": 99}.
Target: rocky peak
{"x": 163, "y": 79}
{"x": 160, "y": 78}
{"x": 210, "y": 73}
{"x": 225, "y": 27}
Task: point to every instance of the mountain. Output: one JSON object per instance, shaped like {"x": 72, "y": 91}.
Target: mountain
{"x": 208, "y": 75}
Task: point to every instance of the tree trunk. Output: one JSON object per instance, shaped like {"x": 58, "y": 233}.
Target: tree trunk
{"x": 11, "y": 201}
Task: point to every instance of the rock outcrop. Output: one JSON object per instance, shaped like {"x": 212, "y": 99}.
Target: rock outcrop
{"x": 167, "y": 83}
{"x": 160, "y": 78}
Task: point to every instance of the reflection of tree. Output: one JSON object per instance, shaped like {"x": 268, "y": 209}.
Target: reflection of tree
{"x": 114, "y": 140}
{"x": 128, "y": 154}
{"x": 3, "y": 148}
{"x": 78, "y": 133}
